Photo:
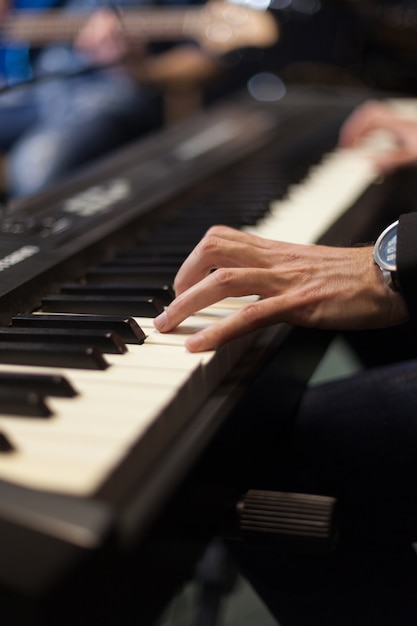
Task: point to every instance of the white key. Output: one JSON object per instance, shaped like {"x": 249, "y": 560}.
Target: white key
{"x": 149, "y": 392}
{"x": 309, "y": 209}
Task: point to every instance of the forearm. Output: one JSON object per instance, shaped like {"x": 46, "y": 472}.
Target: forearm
{"x": 182, "y": 64}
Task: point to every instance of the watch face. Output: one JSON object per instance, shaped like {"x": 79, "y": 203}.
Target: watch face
{"x": 385, "y": 252}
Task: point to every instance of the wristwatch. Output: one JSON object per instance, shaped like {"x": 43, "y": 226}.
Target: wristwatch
{"x": 385, "y": 254}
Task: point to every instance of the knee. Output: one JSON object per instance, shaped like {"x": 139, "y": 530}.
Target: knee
{"x": 33, "y": 163}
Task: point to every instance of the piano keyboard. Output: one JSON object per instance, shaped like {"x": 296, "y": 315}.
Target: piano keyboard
{"x": 330, "y": 188}
{"x": 158, "y": 382}
{"x": 140, "y": 393}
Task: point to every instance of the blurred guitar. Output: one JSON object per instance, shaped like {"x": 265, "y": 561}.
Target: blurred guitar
{"x": 218, "y": 26}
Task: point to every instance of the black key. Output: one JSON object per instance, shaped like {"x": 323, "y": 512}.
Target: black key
{"x": 23, "y": 403}
{"x": 5, "y": 445}
{"x": 130, "y": 276}
{"x": 128, "y": 329}
{"x": 185, "y": 236}
{"x": 55, "y": 355}
{"x": 165, "y": 294}
{"x": 45, "y": 384}
{"x": 104, "y": 340}
{"x": 104, "y": 305}
{"x": 142, "y": 262}
{"x": 167, "y": 247}
{"x": 147, "y": 270}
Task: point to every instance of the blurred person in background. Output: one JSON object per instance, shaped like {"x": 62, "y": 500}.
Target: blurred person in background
{"x": 81, "y": 100}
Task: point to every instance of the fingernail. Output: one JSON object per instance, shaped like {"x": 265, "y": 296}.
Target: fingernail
{"x": 160, "y": 321}
{"x": 195, "y": 342}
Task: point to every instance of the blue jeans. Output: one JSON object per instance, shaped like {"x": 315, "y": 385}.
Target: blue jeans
{"x": 52, "y": 129}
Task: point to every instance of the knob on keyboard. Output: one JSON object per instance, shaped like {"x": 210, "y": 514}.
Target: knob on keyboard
{"x": 290, "y": 521}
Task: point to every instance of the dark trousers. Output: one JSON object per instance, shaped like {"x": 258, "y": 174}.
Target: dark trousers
{"x": 355, "y": 439}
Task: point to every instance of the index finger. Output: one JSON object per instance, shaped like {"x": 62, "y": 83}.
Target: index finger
{"x": 221, "y": 247}
{"x": 213, "y": 288}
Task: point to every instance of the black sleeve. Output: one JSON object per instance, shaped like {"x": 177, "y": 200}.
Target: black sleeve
{"x": 407, "y": 260}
